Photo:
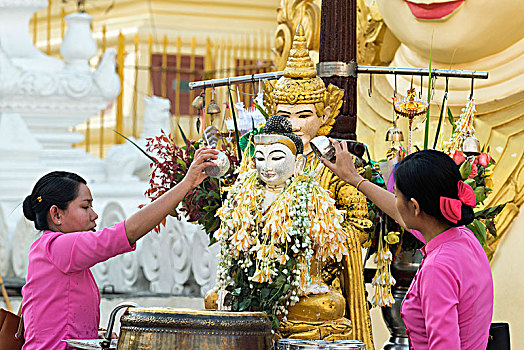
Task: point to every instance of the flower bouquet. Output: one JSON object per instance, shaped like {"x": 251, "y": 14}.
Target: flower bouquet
{"x": 168, "y": 168}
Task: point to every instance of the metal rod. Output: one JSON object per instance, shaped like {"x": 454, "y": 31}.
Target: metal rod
{"x": 451, "y": 73}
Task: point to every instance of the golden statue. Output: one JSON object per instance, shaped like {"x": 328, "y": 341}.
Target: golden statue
{"x": 311, "y": 107}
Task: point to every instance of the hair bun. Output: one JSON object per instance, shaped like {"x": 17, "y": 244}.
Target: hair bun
{"x": 29, "y": 212}
{"x": 278, "y": 124}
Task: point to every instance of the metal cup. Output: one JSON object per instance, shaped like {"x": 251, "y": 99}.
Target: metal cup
{"x": 221, "y": 165}
{"x": 285, "y": 344}
{"x": 323, "y": 148}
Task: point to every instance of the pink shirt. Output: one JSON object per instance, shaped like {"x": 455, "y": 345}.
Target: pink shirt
{"x": 450, "y": 301}
{"x": 61, "y": 299}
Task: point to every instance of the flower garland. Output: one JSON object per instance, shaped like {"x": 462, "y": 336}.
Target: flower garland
{"x": 265, "y": 258}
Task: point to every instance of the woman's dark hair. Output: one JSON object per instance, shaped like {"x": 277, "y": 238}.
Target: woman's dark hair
{"x": 428, "y": 175}
{"x": 56, "y": 188}
{"x": 280, "y": 125}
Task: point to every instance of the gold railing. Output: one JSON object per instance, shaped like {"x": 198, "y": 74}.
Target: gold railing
{"x": 162, "y": 66}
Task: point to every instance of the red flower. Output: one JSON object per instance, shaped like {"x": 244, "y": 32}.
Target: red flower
{"x": 458, "y": 157}
{"x": 474, "y": 171}
{"x": 484, "y": 159}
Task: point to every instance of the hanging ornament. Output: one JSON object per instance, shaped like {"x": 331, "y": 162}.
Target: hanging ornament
{"x": 463, "y": 130}
{"x": 409, "y": 107}
{"x": 394, "y": 134}
{"x": 198, "y": 124}
{"x": 471, "y": 146}
{"x": 213, "y": 109}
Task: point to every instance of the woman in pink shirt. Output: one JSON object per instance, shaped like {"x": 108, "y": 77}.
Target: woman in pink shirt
{"x": 60, "y": 297}
{"x": 449, "y": 304}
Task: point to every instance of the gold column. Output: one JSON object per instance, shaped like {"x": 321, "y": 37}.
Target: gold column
{"x": 178, "y": 68}
{"x": 164, "y": 67}
{"x": 135, "y": 89}
{"x": 102, "y": 113}
{"x": 48, "y": 47}
{"x": 150, "y": 53}
{"x": 119, "y": 99}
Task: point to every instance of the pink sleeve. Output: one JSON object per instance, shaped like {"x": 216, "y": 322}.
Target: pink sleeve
{"x": 77, "y": 251}
{"x": 439, "y": 294}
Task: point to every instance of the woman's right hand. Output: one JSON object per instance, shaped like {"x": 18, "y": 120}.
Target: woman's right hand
{"x": 195, "y": 174}
{"x": 343, "y": 166}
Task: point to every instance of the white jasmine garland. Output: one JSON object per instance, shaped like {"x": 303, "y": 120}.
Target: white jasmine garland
{"x": 284, "y": 232}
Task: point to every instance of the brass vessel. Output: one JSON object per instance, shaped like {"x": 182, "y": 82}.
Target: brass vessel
{"x": 168, "y": 328}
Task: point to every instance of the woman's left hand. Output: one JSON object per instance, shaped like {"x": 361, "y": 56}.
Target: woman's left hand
{"x": 203, "y": 159}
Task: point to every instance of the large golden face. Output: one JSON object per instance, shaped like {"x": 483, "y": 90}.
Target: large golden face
{"x": 474, "y": 28}
{"x": 304, "y": 120}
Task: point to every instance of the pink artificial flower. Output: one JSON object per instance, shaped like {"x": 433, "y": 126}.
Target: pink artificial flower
{"x": 484, "y": 159}
{"x": 458, "y": 157}
{"x": 474, "y": 171}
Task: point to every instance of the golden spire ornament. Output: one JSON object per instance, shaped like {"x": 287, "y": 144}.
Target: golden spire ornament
{"x": 410, "y": 107}
{"x": 301, "y": 85}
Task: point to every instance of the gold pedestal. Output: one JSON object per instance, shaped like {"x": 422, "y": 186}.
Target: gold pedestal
{"x": 166, "y": 328}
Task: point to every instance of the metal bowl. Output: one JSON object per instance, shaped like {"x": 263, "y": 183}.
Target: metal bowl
{"x": 323, "y": 148}
{"x": 221, "y": 165}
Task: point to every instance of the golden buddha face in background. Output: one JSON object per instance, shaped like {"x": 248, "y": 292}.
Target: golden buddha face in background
{"x": 275, "y": 163}
{"x": 475, "y": 28}
{"x": 304, "y": 119}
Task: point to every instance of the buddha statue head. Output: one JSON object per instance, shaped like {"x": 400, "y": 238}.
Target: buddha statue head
{"x": 301, "y": 96}
{"x": 278, "y": 152}
{"x": 473, "y": 28}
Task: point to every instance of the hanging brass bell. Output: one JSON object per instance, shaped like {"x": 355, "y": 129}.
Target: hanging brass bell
{"x": 213, "y": 108}
{"x": 471, "y": 146}
{"x": 394, "y": 134}
{"x": 198, "y": 102}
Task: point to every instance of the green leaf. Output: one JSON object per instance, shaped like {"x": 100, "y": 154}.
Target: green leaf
{"x": 137, "y": 146}
{"x": 236, "y": 292}
{"x": 426, "y": 132}
{"x": 181, "y": 162}
{"x": 451, "y": 119}
{"x": 244, "y": 304}
{"x": 234, "y": 114}
{"x": 490, "y": 225}
{"x": 261, "y": 110}
{"x": 489, "y": 213}
{"x": 441, "y": 116}
{"x": 479, "y": 230}
{"x": 264, "y": 293}
{"x": 275, "y": 322}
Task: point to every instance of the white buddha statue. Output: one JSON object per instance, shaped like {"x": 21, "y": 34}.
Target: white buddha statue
{"x": 279, "y": 228}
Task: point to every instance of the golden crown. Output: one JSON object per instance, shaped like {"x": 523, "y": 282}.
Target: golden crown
{"x": 301, "y": 84}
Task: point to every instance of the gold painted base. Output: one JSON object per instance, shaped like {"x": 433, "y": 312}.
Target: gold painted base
{"x": 166, "y": 328}
{"x": 326, "y": 330}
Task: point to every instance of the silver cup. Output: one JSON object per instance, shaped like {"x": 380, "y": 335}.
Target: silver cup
{"x": 221, "y": 165}
{"x": 323, "y": 148}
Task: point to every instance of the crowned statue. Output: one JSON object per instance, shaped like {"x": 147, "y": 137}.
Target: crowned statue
{"x": 311, "y": 107}
{"x": 330, "y": 302}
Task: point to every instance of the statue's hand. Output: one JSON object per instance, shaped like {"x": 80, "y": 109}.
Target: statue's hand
{"x": 211, "y": 300}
